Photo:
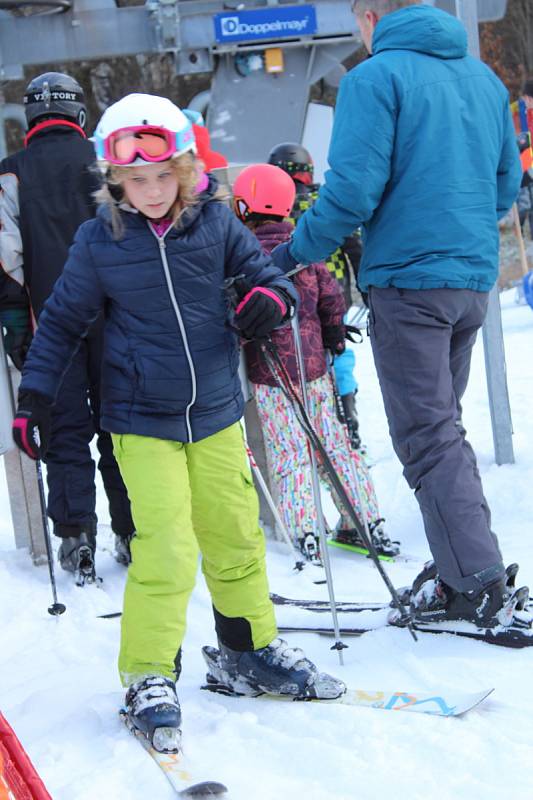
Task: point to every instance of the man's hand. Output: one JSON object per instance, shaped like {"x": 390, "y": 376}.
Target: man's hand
{"x": 282, "y": 257}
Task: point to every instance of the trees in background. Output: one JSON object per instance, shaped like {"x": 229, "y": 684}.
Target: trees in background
{"x": 507, "y": 45}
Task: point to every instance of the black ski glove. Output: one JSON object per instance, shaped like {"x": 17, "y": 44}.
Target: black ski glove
{"x": 18, "y": 334}
{"x": 32, "y": 424}
{"x": 333, "y": 338}
{"x": 260, "y": 311}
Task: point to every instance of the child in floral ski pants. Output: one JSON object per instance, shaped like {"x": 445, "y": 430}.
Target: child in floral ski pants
{"x": 288, "y": 456}
{"x": 261, "y": 193}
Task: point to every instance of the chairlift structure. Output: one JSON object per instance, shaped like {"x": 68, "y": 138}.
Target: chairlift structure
{"x": 264, "y": 56}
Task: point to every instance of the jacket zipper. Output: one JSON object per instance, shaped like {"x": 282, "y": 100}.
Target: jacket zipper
{"x": 177, "y": 312}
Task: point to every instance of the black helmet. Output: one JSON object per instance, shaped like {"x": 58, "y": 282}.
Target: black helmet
{"x": 294, "y": 159}
{"x": 54, "y": 95}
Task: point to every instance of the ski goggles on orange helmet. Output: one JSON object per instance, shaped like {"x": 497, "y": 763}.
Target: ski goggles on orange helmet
{"x": 148, "y": 142}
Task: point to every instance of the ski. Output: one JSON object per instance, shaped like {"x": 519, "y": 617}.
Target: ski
{"x": 519, "y": 634}
{"x": 356, "y": 549}
{"x": 306, "y": 605}
{"x": 324, "y": 631}
{"x": 174, "y": 768}
{"x": 353, "y": 606}
{"x": 450, "y": 703}
{"x": 361, "y": 550}
{"x": 320, "y": 606}
{"x": 513, "y": 636}
{"x": 501, "y": 636}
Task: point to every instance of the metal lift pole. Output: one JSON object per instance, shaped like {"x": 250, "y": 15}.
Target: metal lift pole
{"x": 500, "y": 409}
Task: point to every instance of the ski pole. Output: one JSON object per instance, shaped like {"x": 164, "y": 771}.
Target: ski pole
{"x": 339, "y": 645}
{"x": 358, "y": 318}
{"x": 283, "y": 379}
{"x": 298, "y": 561}
{"x": 56, "y": 608}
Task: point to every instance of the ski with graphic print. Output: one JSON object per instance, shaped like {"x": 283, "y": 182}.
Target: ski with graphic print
{"x": 449, "y": 703}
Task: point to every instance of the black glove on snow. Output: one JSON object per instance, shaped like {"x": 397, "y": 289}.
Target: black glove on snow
{"x": 32, "y": 424}
{"x": 333, "y": 338}
{"x": 260, "y": 311}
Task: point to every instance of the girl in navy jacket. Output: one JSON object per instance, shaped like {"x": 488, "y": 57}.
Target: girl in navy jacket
{"x": 156, "y": 259}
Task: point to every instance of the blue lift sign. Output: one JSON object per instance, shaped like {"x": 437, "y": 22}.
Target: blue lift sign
{"x": 268, "y": 23}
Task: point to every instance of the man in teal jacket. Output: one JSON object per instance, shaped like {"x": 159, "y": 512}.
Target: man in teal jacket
{"x": 423, "y": 155}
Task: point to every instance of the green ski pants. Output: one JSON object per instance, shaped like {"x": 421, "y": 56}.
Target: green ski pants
{"x": 184, "y": 496}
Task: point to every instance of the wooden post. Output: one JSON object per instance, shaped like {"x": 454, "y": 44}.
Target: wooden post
{"x": 21, "y": 477}
{"x": 520, "y": 238}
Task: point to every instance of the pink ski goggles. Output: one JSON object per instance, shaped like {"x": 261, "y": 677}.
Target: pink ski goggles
{"x": 149, "y": 142}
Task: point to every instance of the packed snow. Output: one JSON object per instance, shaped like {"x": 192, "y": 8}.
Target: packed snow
{"x": 59, "y": 686}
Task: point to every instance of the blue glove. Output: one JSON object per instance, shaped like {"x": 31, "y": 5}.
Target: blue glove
{"x": 282, "y": 258}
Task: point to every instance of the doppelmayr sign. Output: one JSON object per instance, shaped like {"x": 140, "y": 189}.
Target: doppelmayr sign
{"x": 268, "y": 23}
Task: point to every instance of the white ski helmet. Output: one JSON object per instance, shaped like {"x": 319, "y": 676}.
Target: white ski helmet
{"x": 141, "y": 115}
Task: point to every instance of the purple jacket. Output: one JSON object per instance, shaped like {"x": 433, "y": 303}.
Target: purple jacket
{"x": 321, "y": 305}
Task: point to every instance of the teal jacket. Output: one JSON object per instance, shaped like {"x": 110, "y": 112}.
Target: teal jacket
{"x": 423, "y": 154}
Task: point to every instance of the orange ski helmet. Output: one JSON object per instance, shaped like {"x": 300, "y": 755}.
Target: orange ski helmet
{"x": 263, "y": 189}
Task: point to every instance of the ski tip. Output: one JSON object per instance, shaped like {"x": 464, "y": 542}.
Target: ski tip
{"x": 470, "y": 702}
{"x": 479, "y": 697}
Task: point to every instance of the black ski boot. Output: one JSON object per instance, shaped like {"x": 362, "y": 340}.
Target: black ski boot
{"x": 152, "y": 709}
{"x": 430, "y": 573}
{"x": 123, "y": 549}
{"x": 381, "y": 541}
{"x": 276, "y": 669}
{"x": 494, "y": 606}
{"x": 309, "y": 546}
{"x": 352, "y": 421}
{"x": 76, "y": 555}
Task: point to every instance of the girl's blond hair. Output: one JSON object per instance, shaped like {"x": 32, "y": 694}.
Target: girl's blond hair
{"x": 186, "y": 169}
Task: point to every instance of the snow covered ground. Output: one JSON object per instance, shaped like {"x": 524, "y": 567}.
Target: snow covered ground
{"x": 59, "y": 686}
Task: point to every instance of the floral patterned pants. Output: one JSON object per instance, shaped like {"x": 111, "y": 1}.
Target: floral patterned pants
{"x": 289, "y": 461}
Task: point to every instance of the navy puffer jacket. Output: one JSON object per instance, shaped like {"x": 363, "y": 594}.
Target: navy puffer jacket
{"x": 170, "y": 359}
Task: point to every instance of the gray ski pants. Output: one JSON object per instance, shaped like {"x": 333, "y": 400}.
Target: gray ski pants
{"x": 422, "y": 343}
